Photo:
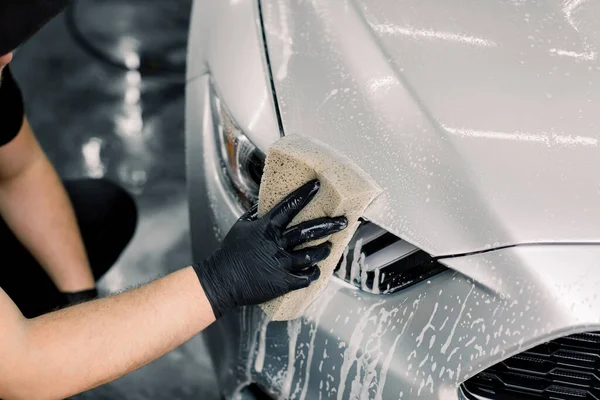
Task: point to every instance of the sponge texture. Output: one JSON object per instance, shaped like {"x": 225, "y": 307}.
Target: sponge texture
{"x": 345, "y": 190}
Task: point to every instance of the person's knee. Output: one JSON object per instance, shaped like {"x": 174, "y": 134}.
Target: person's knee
{"x": 124, "y": 211}
{"x": 107, "y": 216}
{"x": 120, "y": 226}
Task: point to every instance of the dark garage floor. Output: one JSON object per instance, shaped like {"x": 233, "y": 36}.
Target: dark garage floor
{"x": 95, "y": 119}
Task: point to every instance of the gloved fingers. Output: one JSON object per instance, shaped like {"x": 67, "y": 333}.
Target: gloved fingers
{"x": 283, "y": 213}
{"x": 312, "y": 230}
{"x": 251, "y": 214}
{"x": 310, "y": 256}
{"x": 303, "y": 279}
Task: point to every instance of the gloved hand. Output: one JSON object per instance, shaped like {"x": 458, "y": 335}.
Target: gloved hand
{"x": 71, "y": 298}
{"x": 256, "y": 261}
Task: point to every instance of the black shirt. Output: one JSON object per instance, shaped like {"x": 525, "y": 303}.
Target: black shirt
{"x": 19, "y": 19}
{"x": 11, "y": 107}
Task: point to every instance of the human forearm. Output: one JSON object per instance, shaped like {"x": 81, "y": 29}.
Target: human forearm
{"x": 81, "y": 347}
{"x": 34, "y": 204}
{"x": 77, "y": 348}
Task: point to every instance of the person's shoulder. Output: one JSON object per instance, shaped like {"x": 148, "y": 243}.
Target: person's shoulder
{"x": 11, "y": 107}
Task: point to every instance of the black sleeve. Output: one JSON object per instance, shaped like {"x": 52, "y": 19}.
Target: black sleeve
{"x": 20, "y": 19}
{"x": 11, "y": 107}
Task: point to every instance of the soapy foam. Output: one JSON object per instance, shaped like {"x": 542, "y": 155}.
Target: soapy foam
{"x": 262, "y": 344}
{"x": 293, "y": 330}
{"x": 327, "y": 296}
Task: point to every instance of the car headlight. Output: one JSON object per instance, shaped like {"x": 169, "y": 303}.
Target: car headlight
{"x": 242, "y": 163}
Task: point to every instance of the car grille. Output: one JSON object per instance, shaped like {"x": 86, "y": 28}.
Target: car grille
{"x": 381, "y": 263}
{"x": 567, "y": 368}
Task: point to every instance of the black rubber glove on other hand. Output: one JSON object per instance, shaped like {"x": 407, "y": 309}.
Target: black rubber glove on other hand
{"x": 71, "y": 298}
{"x": 257, "y": 261}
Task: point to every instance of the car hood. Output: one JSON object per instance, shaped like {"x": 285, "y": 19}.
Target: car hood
{"x": 478, "y": 118}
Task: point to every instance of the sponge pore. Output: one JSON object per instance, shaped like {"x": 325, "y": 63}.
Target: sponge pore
{"x": 345, "y": 190}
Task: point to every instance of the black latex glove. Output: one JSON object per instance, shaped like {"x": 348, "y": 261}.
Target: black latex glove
{"x": 256, "y": 261}
{"x": 71, "y": 298}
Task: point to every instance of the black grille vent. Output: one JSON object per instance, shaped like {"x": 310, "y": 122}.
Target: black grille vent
{"x": 390, "y": 264}
{"x": 567, "y": 368}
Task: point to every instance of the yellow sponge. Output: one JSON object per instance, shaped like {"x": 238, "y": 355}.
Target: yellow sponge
{"x": 345, "y": 190}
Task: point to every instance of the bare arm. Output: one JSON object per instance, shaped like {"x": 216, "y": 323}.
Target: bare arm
{"x": 68, "y": 351}
{"x": 34, "y": 204}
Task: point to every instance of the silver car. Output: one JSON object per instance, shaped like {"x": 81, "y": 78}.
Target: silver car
{"x": 476, "y": 274}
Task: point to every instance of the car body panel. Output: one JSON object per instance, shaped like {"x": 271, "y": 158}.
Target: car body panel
{"x": 421, "y": 342}
{"x": 425, "y": 340}
{"x": 448, "y": 191}
{"x": 226, "y": 41}
{"x": 478, "y": 118}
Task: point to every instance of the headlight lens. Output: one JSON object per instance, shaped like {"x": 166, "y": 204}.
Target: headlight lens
{"x": 241, "y": 162}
